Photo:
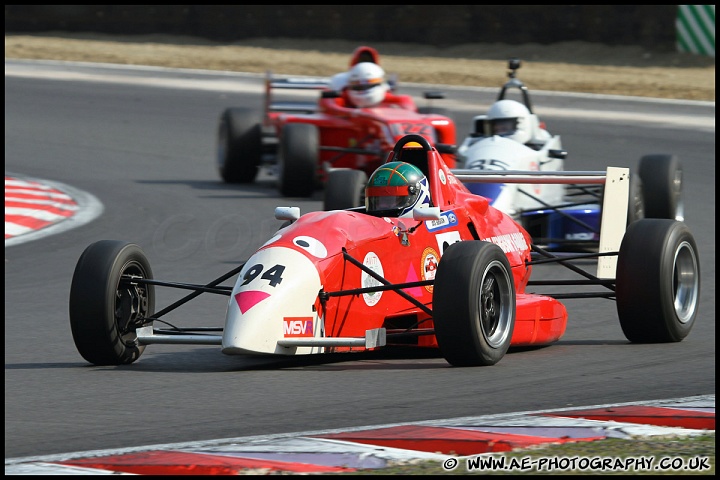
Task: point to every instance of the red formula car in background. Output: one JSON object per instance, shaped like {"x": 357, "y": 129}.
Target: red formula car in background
{"x": 328, "y": 142}
{"x": 440, "y": 269}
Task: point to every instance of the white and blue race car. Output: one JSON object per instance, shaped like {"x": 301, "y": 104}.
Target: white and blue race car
{"x": 510, "y": 139}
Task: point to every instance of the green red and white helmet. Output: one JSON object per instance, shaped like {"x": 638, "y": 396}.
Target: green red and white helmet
{"x": 395, "y": 189}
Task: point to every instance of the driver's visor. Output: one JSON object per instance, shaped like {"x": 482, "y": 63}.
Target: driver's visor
{"x": 387, "y": 191}
{"x": 503, "y": 126}
{"x": 366, "y": 86}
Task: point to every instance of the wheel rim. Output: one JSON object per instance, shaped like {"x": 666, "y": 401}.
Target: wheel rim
{"x": 686, "y": 282}
{"x": 131, "y": 303}
{"x": 495, "y": 313}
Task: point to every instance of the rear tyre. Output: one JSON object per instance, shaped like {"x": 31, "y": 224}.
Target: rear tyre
{"x": 657, "y": 281}
{"x": 473, "y": 304}
{"x": 106, "y": 308}
{"x": 298, "y": 159}
{"x": 239, "y": 145}
{"x": 636, "y": 200}
{"x": 661, "y": 176}
{"x": 344, "y": 188}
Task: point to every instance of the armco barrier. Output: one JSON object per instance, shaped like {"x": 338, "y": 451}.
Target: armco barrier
{"x": 649, "y": 26}
{"x": 696, "y": 29}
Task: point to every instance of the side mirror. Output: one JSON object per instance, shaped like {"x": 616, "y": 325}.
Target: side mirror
{"x": 561, "y": 154}
{"x": 287, "y": 213}
{"x": 426, "y": 213}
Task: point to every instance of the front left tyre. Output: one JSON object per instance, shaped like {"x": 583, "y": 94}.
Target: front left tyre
{"x": 107, "y": 304}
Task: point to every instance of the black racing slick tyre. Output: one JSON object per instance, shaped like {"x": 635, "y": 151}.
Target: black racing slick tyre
{"x": 298, "y": 159}
{"x": 657, "y": 281}
{"x": 344, "y": 188}
{"x": 473, "y": 304}
{"x": 661, "y": 176}
{"x": 106, "y": 306}
{"x": 239, "y": 145}
{"x": 636, "y": 200}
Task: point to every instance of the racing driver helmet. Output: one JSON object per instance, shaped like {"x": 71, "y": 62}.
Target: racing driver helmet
{"x": 364, "y": 53}
{"x": 510, "y": 119}
{"x": 366, "y": 85}
{"x": 395, "y": 189}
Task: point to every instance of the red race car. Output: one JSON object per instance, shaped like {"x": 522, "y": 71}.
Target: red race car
{"x": 425, "y": 263}
{"x": 336, "y": 141}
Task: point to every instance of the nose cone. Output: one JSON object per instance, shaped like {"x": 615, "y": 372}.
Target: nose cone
{"x": 273, "y": 299}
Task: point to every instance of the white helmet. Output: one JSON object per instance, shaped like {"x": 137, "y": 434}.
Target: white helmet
{"x": 366, "y": 84}
{"x": 510, "y": 119}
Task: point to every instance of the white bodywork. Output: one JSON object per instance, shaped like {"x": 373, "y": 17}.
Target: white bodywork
{"x": 496, "y": 153}
{"x": 273, "y": 307}
{"x": 261, "y": 313}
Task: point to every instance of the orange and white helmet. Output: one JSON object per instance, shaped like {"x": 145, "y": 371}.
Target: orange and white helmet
{"x": 366, "y": 85}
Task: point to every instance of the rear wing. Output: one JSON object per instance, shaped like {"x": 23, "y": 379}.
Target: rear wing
{"x": 614, "y": 208}
{"x": 296, "y": 84}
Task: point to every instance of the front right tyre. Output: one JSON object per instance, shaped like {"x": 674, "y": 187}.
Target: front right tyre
{"x": 107, "y": 305}
{"x": 657, "y": 281}
{"x": 473, "y": 304}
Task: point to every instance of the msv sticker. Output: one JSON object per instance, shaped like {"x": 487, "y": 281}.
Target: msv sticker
{"x": 447, "y": 219}
{"x": 297, "y": 327}
{"x": 373, "y": 263}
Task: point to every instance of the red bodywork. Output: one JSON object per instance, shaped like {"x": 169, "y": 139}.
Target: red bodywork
{"x": 361, "y": 138}
{"x": 412, "y": 256}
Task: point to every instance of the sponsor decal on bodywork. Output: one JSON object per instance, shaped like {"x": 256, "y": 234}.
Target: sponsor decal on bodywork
{"x": 430, "y": 259}
{"x": 373, "y": 263}
{"x": 580, "y": 236}
{"x": 509, "y": 242}
{"x": 446, "y": 220}
{"x": 297, "y": 327}
{"x": 441, "y": 175}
